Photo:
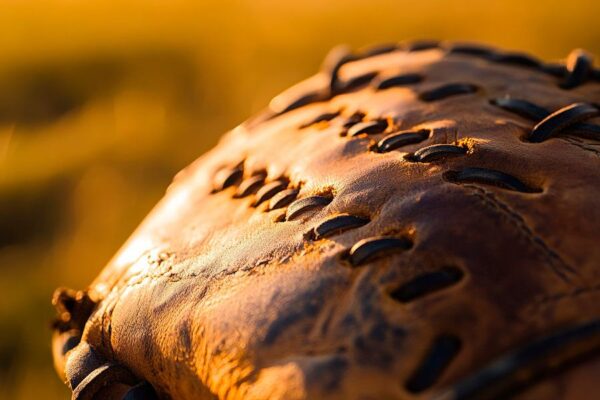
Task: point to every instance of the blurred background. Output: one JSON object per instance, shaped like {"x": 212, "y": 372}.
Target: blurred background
{"x": 101, "y": 103}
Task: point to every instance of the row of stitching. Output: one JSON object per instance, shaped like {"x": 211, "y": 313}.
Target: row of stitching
{"x": 582, "y": 146}
{"x": 557, "y": 297}
{"x": 551, "y": 257}
{"x": 169, "y": 276}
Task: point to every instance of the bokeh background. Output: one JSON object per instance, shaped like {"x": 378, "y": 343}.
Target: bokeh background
{"x": 101, "y": 103}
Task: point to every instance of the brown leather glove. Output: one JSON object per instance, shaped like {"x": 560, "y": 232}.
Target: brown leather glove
{"x": 415, "y": 221}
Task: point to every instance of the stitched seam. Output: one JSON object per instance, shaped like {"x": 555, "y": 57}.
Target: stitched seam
{"x": 555, "y": 298}
{"x": 553, "y": 259}
{"x": 582, "y": 146}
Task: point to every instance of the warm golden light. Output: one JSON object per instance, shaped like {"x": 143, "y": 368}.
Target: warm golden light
{"x": 102, "y": 102}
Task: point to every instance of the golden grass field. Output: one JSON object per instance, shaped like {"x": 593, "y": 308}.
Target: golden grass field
{"x": 102, "y": 102}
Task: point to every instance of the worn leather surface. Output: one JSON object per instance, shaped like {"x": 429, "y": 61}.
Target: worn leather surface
{"x": 213, "y": 297}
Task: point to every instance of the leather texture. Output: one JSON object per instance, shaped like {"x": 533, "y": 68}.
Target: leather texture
{"x": 415, "y": 221}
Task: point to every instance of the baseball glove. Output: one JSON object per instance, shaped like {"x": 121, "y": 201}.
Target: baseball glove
{"x": 416, "y": 221}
